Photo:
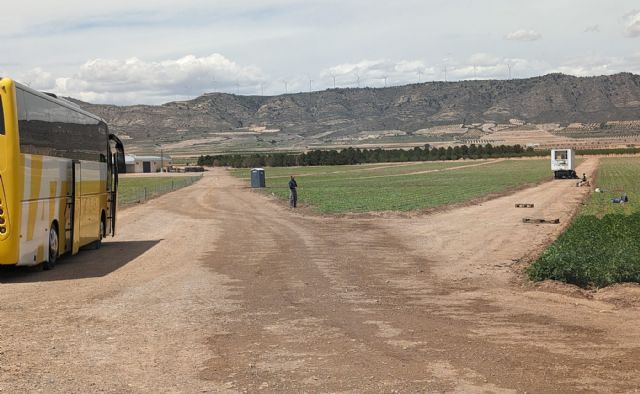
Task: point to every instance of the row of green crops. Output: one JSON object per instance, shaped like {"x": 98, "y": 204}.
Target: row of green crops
{"x": 602, "y": 245}
{"x": 340, "y": 189}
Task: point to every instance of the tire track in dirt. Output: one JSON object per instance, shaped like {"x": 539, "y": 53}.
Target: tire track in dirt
{"x": 357, "y": 305}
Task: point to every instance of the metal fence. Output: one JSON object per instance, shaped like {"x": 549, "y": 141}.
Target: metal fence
{"x": 130, "y": 194}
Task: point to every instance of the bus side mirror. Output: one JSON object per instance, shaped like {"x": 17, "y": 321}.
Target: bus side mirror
{"x": 120, "y": 163}
{"x": 118, "y": 157}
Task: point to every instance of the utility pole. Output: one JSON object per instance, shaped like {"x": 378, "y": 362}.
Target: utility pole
{"x": 161, "y": 157}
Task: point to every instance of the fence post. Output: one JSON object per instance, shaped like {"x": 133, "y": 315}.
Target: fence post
{"x": 145, "y": 193}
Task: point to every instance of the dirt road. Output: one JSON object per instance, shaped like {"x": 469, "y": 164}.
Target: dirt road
{"x": 213, "y": 288}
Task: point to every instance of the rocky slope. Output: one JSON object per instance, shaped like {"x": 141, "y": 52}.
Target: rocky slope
{"x": 553, "y": 98}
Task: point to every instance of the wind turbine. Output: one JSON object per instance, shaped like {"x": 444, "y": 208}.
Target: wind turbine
{"x": 509, "y": 67}
{"x": 420, "y": 72}
{"x": 213, "y": 83}
{"x": 446, "y": 64}
{"x": 334, "y": 79}
{"x": 358, "y": 79}
{"x": 285, "y": 86}
{"x": 385, "y": 80}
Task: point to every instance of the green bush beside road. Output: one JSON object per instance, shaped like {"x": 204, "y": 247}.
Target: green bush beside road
{"x": 602, "y": 245}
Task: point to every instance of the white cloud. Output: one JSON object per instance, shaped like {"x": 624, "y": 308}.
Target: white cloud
{"x": 484, "y": 59}
{"x": 38, "y": 79}
{"x": 374, "y": 72}
{"x": 490, "y": 66}
{"x": 632, "y": 24}
{"x": 135, "y": 80}
{"x": 523, "y": 35}
{"x": 583, "y": 66}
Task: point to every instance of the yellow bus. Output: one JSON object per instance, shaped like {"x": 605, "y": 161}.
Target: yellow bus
{"x": 58, "y": 177}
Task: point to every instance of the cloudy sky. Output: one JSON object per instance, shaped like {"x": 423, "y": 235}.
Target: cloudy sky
{"x": 154, "y": 51}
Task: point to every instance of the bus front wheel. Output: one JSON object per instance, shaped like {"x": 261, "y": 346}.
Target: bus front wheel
{"x": 54, "y": 245}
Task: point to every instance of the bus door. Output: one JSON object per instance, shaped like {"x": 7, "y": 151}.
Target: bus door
{"x": 116, "y": 165}
{"x": 76, "y": 193}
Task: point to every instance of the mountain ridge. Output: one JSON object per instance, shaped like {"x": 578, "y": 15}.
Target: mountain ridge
{"x": 552, "y": 98}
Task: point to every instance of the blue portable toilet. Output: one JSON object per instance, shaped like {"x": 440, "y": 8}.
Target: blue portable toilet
{"x": 257, "y": 177}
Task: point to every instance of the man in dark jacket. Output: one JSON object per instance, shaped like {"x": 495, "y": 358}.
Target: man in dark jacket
{"x": 293, "y": 193}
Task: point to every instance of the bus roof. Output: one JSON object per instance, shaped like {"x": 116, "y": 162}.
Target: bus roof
{"x": 59, "y": 101}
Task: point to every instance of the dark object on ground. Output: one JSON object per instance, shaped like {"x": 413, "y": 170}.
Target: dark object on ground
{"x": 540, "y": 221}
{"x": 565, "y": 174}
{"x": 526, "y": 205}
{"x": 620, "y": 200}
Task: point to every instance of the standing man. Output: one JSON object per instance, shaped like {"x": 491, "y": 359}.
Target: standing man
{"x": 293, "y": 193}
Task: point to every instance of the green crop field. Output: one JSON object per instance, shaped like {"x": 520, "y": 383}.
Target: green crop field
{"x": 139, "y": 189}
{"x": 602, "y": 245}
{"x": 399, "y": 187}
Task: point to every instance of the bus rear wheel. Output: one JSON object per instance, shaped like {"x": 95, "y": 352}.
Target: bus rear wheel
{"x": 54, "y": 246}
{"x": 95, "y": 245}
{"x": 102, "y": 233}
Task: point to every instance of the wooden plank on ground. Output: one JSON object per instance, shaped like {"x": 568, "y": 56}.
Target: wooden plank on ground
{"x": 540, "y": 221}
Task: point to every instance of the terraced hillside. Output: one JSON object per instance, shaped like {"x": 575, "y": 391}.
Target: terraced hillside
{"x": 402, "y": 114}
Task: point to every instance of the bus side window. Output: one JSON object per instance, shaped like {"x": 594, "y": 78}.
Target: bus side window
{"x": 1, "y": 117}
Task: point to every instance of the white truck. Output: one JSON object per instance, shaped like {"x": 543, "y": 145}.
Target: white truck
{"x": 563, "y": 163}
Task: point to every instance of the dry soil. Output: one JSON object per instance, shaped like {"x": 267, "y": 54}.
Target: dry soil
{"x": 215, "y": 288}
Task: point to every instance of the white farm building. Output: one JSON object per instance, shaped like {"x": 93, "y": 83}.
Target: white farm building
{"x": 147, "y": 164}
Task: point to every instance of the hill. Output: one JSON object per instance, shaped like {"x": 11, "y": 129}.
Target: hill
{"x": 220, "y": 121}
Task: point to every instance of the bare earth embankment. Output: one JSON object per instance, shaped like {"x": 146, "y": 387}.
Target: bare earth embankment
{"x": 215, "y": 288}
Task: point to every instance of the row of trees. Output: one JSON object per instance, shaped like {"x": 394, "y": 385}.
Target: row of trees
{"x": 359, "y": 156}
